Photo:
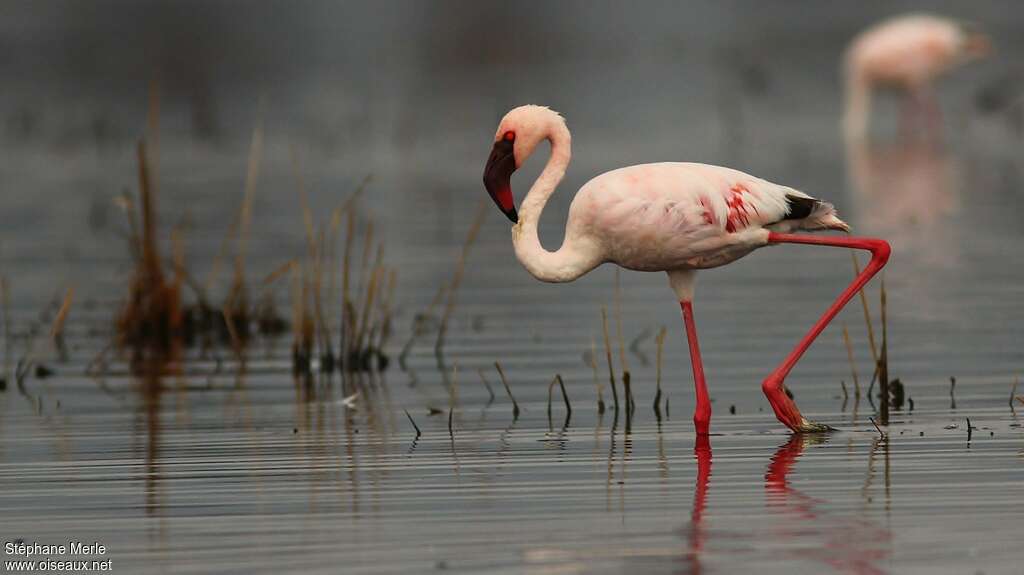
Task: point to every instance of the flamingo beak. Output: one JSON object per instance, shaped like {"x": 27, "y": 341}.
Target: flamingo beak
{"x": 498, "y": 178}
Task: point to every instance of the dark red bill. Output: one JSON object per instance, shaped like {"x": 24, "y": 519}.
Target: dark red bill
{"x": 498, "y": 177}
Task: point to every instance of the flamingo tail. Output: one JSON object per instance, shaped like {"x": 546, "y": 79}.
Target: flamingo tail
{"x": 813, "y": 214}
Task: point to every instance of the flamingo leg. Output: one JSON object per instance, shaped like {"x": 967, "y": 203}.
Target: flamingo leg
{"x": 702, "y": 413}
{"x": 785, "y": 410}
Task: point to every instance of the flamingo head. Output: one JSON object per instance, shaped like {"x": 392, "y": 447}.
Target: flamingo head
{"x": 498, "y": 174}
{"x": 517, "y": 136}
{"x": 975, "y": 43}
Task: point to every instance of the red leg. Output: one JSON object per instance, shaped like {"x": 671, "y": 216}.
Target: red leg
{"x": 702, "y": 413}
{"x": 784, "y": 407}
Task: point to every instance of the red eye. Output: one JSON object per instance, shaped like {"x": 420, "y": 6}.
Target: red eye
{"x": 509, "y": 136}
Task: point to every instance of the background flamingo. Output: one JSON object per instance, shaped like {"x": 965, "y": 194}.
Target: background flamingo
{"x": 672, "y": 217}
{"x": 908, "y": 53}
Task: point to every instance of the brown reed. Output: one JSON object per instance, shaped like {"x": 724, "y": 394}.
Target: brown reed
{"x": 608, "y": 355}
{"x": 853, "y": 367}
{"x": 598, "y": 386}
{"x": 460, "y": 269}
{"x": 883, "y": 362}
{"x": 660, "y": 340}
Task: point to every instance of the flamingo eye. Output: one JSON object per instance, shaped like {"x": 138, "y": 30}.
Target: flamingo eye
{"x": 509, "y": 136}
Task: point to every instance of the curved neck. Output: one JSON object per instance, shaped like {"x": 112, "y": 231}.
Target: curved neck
{"x": 563, "y": 265}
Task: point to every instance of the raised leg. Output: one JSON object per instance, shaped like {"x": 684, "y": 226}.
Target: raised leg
{"x": 785, "y": 410}
{"x": 702, "y": 413}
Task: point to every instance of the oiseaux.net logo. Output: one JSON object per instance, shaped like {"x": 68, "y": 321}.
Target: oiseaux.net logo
{"x": 70, "y": 557}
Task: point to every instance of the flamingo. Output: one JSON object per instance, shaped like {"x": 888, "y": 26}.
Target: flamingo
{"x": 905, "y": 52}
{"x": 671, "y": 217}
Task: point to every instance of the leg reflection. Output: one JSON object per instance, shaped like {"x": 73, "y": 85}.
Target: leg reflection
{"x": 776, "y": 484}
{"x": 695, "y": 538}
{"x": 844, "y": 543}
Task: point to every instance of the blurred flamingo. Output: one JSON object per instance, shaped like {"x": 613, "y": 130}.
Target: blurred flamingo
{"x": 672, "y": 217}
{"x": 907, "y": 53}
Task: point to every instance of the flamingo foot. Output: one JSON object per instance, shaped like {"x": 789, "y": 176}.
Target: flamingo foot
{"x": 786, "y": 410}
{"x": 808, "y": 426}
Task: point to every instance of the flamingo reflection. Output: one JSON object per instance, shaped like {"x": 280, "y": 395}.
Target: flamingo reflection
{"x": 847, "y": 545}
{"x": 908, "y": 190}
{"x": 696, "y": 533}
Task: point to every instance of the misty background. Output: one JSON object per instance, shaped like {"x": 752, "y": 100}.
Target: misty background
{"x": 410, "y": 93}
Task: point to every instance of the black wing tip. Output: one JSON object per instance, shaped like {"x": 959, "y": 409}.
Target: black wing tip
{"x": 799, "y": 207}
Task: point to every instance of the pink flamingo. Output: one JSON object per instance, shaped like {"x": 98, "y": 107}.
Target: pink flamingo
{"x": 672, "y": 217}
{"x": 906, "y": 52}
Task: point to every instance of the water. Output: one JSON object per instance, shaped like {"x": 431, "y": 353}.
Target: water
{"x": 218, "y": 468}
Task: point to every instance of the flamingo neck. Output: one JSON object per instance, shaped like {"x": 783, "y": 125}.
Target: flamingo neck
{"x": 565, "y": 264}
{"x": 858, "y": 104}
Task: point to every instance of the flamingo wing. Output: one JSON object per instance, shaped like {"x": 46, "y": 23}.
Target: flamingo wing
{"x": 658, "y": 216}
{"x": 735, "y": 201}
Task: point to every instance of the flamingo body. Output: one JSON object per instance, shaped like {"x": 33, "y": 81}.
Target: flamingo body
{"x": 908, "y": 51}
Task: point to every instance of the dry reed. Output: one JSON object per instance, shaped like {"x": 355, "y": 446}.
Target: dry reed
{"x": 883, "y": 362}
{"x": 864, "y": 306}
{"x": 487, "y": 384}
{"x": 508, "y": 390}
{"x": 618, "y": 323}
{"x": 420, "y": 325}
{"x": 598, "y": 386}
{"x": 853, "y": 367}
{"x": 878, "y": 429}
{"x": 608, "y": 355}
{"x": 413, "y": 422}
{"x": 366, "y": 305}
{"x": 57, "y": 330}
{"x": 154, "y": 320}
{"x": 657, "y": 378}
{"x": 565, "y": 396}
{"x": 626, "y": 378}
{"x": 236, "y": 308}
{"x": 460, "y": 269}
{"x": 151, "y": 320}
